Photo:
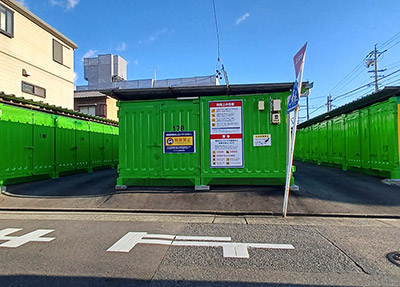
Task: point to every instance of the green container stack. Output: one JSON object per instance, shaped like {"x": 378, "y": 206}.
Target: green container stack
{"x": 35, "y": 144}
{"x": 362, "y": 136}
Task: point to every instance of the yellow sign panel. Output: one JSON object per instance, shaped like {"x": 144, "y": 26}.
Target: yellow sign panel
{"x": 178, "y": 141}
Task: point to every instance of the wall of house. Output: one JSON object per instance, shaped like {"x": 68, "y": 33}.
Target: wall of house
{"x": 31, "y": 48}
{"x": 99, "y": 102}
{"x": 112, "y": 109}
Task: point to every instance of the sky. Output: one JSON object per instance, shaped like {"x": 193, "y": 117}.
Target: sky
{"x": 257, "y": 40}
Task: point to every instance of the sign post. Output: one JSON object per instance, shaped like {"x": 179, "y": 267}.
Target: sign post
{"x": 293, "y": 105}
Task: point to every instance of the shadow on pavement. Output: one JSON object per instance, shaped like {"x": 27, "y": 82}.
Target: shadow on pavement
{"x": 51, "y": 281}
{"x": 333, "y": 184}
{"x": 98, "y": 183}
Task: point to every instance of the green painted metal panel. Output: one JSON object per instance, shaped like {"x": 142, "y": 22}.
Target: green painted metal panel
{"x": 115, "y": 141}
{"x": 329, "y": 139}
{"x": 181, "y": 116}
{"x": 323, "y": 136}
{"x": 96, "y": 144}
{"x": 262, "y": 165}
{"x": 365, "y": 139}
{"x": 338, "y": 141}
{"x": 65, "y": 144}
{"x": 15, "y": 143}
{"x": 140, "y": 141}
{"x": 82, "y": 144}
{"x": 353, "y": 140}
{"x": 43, "y": 143}
{"x": 108, "y": 146}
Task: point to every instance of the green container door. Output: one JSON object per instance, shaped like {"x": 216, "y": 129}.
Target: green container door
{"x": 108, "y": 145}
{"x": 96, "y": 145}
{"x": 140, "y": 141}
{"x": 353, "y": 140}
{"x": 115, "y": 144}
{"x": 82, "y": 144}
{"x": 365, "y": 139}
{"x": 144, "y": 127}
{"x": 338, "y": 141}
{"x": 43, "y": 144}
{"x": 180, "y": 119}
{"x": 65, "y": 144}
{"x": 16, "y": 145}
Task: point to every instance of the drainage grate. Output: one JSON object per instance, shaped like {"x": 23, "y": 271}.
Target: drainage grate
{"x": 394, "y": 257}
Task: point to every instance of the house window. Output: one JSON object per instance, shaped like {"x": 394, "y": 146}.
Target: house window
{"x": 89, "y": 110}
{"x": 57, "y": 52}
{"x": 33, "y": 90}
{"x": 6, "y": 21}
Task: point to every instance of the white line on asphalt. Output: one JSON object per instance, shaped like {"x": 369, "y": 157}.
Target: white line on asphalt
{"x": 203, "y": 238}
{"x": 230, "y": 249}
{"x": 16, "y": 241}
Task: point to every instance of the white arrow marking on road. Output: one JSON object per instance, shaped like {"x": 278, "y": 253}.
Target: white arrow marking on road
{"x": 16, "y": 241}
{"x": 230, "y": 249}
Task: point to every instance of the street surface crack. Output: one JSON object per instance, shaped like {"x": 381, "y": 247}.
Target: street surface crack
{"x": 108, "y": 198}
{"x": 343, "y": 252}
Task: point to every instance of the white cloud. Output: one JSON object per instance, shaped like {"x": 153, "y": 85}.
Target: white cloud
{"x": 72, "y": 3}
{"x": 90, "y": 54}
{"x": 136, "y": 62}
{"x": 22, "y": 2}
{"x": 122, "y": 47}
{"x": 67, "y": 4}
{"x": 153, "y": 37}
{"x": 75, "y": 77}
{"x": 242, "y": 18}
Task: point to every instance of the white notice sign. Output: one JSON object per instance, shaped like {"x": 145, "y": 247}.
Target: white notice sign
{"x": 262, "y": 140}
{"x": 226, "y": 134}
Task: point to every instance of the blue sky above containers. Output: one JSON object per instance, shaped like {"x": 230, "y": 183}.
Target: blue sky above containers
{"x": 258, "y": 39}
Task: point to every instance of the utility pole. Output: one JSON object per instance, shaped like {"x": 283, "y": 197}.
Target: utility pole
{"x": 376, "y": 69}
{"x": 328, "y": 103}
{"x": 308, "y": 114}
{"x": 374, "y": 62}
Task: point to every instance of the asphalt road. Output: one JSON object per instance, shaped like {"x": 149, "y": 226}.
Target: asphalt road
{"x": 326, "y": 251}
{"x": 323, "y": 191}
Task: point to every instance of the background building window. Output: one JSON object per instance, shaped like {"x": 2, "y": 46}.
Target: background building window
{"x": 33, "y": 90}
{"x": 6, "y": 21}
{"x": 57, "y": 52}
{"x": 89, "y": 110}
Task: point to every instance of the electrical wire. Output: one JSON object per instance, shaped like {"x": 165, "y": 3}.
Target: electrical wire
{"x": 356, "y": 89}
{"x": 390, "y": 40}
{"x": 217, "y": 31}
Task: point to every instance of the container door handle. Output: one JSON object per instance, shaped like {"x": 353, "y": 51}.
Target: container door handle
{"x": 29, "y": 147}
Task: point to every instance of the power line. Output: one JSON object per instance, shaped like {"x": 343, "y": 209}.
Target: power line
{"x": 217, "y": 31}
{"x": 363, "y": 86}
{"x": 391, "y": 39}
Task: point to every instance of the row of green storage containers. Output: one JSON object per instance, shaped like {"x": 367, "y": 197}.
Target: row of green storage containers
{"x": 366, "y": 139}
{"x": 36, "y": 144}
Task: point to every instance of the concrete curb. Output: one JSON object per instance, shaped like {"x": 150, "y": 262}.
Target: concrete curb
{"x": 202, "y": 212}
{"x": 6, "y": 193}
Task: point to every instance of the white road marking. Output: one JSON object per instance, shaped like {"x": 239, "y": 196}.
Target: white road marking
{"x": 127, "y": 242}
{"x": 203, "y": 238}
{"x": 16, "y": 241}
{"x": 230, "y": 249}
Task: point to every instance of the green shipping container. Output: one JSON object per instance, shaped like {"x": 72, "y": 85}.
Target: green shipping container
{"x": 203, "y": 135}
{"x": 362, "y": 136}
{"x": 38, "y": 144}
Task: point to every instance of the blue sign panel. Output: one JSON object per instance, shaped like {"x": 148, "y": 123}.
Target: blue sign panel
{"x": 179, "y": 142}
{"x": 293, "y": 99}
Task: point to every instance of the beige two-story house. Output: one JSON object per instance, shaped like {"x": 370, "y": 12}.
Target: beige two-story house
{"x": 36, "y": 61}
